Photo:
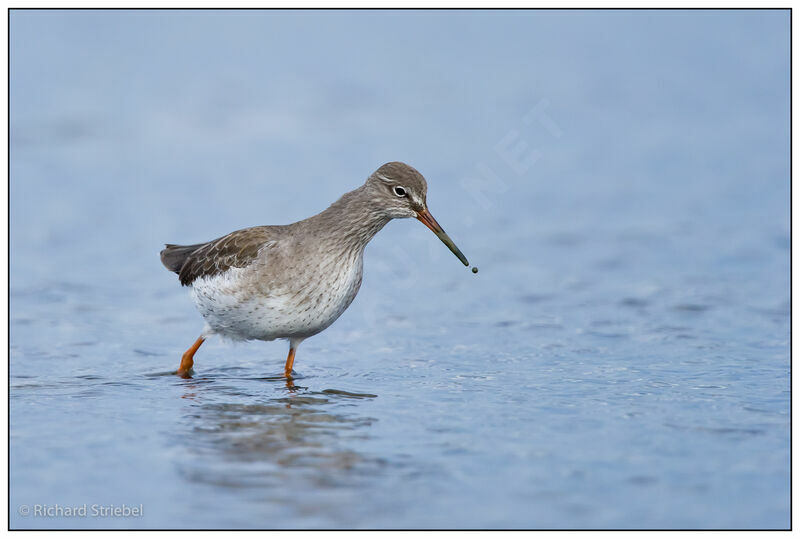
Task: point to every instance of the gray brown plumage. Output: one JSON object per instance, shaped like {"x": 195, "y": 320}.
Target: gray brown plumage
{"x": 234, "y": 250}
{"x": 293, "y": 281}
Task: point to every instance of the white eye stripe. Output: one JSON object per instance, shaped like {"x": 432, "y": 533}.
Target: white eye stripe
{"x": 382, "y": 177}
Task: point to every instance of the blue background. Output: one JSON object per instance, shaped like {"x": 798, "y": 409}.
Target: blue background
{"x": 621, "y": 179}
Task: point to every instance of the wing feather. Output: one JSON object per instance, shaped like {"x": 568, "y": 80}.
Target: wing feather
{"x": 235, "y": 250}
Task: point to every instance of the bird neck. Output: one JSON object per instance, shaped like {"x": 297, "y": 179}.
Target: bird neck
{"x": 352, "y": 221}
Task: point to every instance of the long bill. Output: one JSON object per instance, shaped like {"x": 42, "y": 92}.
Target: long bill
{"x": 427, "y": 219}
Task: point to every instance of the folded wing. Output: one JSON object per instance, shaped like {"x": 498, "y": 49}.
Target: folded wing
{"x": 236, "y": 250}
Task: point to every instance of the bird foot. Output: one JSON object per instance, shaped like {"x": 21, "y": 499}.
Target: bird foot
{"x": 185, "y": 373}
{"x": 187, "y": 360}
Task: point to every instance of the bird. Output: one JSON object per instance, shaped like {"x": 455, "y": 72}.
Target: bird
{"x": 293, "y": 281}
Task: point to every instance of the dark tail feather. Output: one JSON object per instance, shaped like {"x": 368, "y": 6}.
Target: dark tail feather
{"x": 174, "y": 256}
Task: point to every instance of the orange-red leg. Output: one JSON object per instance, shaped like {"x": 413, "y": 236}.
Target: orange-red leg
{"x": 287, "y": 370}
{"x": 187, "y": 360}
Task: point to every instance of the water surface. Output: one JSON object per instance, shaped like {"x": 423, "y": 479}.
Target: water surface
{"x": 620, "y": 178}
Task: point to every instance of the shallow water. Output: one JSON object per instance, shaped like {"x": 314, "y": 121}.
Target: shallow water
{"x": 621, "y": 359}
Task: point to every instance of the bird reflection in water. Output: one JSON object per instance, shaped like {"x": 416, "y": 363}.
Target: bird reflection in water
{"x": 239, "y": 439}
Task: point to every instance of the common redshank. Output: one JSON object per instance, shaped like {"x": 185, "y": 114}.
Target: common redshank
{"x": 293, "y": 281}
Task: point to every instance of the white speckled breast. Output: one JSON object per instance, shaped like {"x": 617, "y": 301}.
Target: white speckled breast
{"x": 247, "y": 303}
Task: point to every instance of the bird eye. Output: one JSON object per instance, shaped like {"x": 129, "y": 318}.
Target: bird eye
{"x": 399, "y": 191}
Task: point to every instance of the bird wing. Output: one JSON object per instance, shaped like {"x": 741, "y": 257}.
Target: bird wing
{"x": 236, "y": 250}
